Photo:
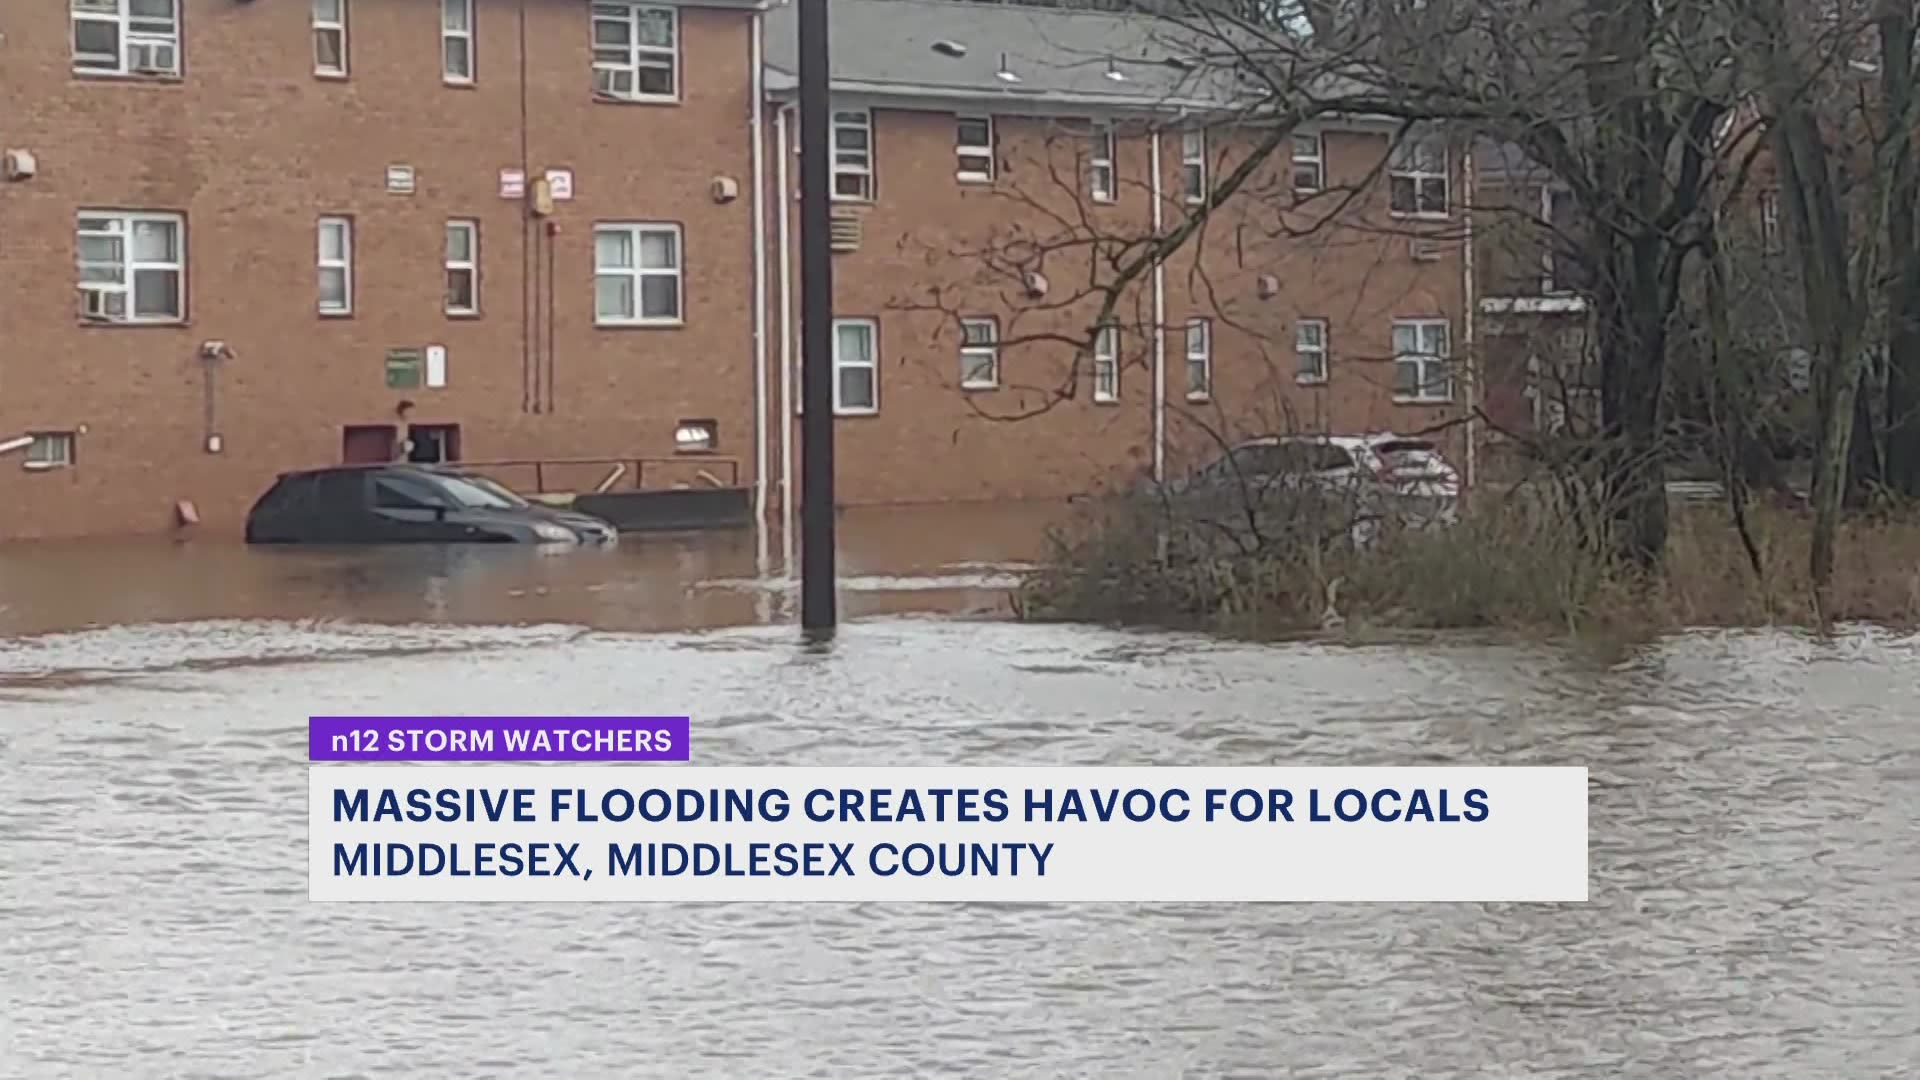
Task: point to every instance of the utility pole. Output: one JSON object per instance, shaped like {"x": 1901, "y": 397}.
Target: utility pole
{"x": 817, "y": 573}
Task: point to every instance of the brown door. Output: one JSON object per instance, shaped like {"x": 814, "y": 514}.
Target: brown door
{"x": 367, "y": 445}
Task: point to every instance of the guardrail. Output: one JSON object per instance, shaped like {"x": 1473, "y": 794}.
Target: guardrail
{"x": 701, "y": 467}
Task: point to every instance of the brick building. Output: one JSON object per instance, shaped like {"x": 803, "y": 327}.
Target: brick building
{"x": 237, "y": 238}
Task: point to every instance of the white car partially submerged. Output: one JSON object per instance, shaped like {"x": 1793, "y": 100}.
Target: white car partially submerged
{"x": 1419, "y": 476}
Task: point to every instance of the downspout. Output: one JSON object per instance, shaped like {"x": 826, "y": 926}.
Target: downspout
{"x": 1159, "y": 330}
{"x": 783, "y": 200}
{"x": 758, "y": 134}
{"x": 1467, "y": 329}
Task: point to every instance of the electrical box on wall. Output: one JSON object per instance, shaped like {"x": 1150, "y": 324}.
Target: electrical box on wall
{"x": 18, "y": 165}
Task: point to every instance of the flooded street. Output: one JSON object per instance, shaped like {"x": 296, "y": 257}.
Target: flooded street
{"x": 1755, "y": 850}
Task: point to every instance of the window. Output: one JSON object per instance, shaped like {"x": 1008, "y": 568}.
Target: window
{"x": 336, "y": 266}
{"x": 1101, "y": 179}
{"x": 456, "y": 41}
{"x": 979, "y": 354}
{"x": 463, "y": 268}
{"x": 973, "y": 141}
{"x": 1417, "y": 177}
{"x": 1556, "y": 275}
{"x": 126, "y": 37}
{"x": 1770, "y": 222}
{"x": 1199, "y": 359}
{"x": 636, "y": 52}
{"x": 1309, "y": 164}
{"x": 1310, "y": 351}
{"x": 1106, "y": 365}
{"x": 1193, "y": 165}
{"x": 403, "y": 369}
{"x": 856, "y": 367}
{"x": 853, "y": 155}
{"x": 132, "y": 267}
{"x": 50, "y": 450}
{"x": 330, "y": 37}
{"x": 1420, "y": 369}
{"x": 636, "y": 275}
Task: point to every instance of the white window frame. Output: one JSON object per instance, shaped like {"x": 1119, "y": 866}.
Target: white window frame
{"x": 1321, "y": 350}
{"x": 1404, "y": 166}
{"x": 38, "y": 460}
{"x": 636, "y": 231}
{"x": 1106, "y": 365}
{"x": 872, "y": 364}
{"x": 121, "y": 225}
{"x": 1193, "y": 165}
{"x": 973, "y": 353}
{"x": 1103, "y": 175}
{"x": 1315, "y": 158}
{"x": 469, "y": 266}
{"x": 160, "y": 37}
{"x": 637, "y": 56}
{"x": 971, "y": 153}
{"x": 1423, "y": 360}
{"x": 853, "y": 163}
{"x": 1200, "y": 358}
{"x": 460, "y": 37}
{"x": 342, "y": 263}
{"x": 331, "y": 26}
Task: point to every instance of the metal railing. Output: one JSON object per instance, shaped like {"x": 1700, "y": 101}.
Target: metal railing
{"x": 701, "y": 468}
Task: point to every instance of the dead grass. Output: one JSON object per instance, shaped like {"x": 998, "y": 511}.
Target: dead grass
{"x": 1512, "y": 563}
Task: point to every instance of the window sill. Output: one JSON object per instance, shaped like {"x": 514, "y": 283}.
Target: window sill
{"x": 458, "y": 84}
{"x": 1400, "y": 400}
{"x": 978, "y": 386}
{"x": 1198, "y": 399}
{"x": 1420, "y": 215}
{"x": 1103, "y": 200}
{"x": 131, "y": 77}
{"x": 1106, "y": 400}
{"x": 1310, "y": 380}
{"x": 44, "y": 466}
{"x": 855, "y": 413}
{"x": 332, "y": 76}
{"x": 335, "y": 314}
{"x": 975, "y": 179}
{"x": 643, "y": 99}
{"x": 464, "y": 316}
{"x": 640, "y": 324}
{"x": 132, "y": 324}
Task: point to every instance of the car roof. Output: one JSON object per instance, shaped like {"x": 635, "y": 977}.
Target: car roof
{"x": 400, "y": 466}
{"x": 1344, "y": 442}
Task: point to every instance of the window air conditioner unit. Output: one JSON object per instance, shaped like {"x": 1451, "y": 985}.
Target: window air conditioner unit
{"x": 99, "y": 305}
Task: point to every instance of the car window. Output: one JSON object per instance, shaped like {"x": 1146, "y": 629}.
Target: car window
{"x": 404, "y": 493}
{"x": 464, "y": 492}
{"x": 339, "y": 492}
{"x": 287, "y": 495}
{"x": 507, "y": 494}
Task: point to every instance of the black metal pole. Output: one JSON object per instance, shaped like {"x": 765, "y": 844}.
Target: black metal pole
{"x": 816, "y": 325}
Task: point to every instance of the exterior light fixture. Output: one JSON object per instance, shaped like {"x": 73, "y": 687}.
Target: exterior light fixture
{"x": 1114, "y": 72}
{"x": 1005, "y": 74}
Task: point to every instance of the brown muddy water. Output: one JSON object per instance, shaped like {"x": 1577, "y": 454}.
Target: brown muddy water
{"x": 1756, "y": 857}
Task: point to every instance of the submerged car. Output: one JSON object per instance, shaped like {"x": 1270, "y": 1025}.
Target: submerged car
{"x": 1426, "y": 488}
{"x": 410, "y": 504}
{"x": 1280, "y": 486}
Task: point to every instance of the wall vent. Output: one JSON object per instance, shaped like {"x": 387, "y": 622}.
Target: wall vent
{"x": 845, "y": 231}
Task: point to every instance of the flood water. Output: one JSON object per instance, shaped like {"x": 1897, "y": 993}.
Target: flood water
{"x": 1756, "y": 857}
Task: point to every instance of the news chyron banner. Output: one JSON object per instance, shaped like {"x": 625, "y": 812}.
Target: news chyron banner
{"x": 563, "y": 808}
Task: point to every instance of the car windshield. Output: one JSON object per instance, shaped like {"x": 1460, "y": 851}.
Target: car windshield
{"x": 476, "y": 493}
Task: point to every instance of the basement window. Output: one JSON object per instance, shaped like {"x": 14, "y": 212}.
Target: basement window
{"x": 696, "y": 436}
{"x": 50, "y": 450}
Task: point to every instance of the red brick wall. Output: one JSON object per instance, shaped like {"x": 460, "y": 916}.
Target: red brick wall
{"x": 252, "y": 148}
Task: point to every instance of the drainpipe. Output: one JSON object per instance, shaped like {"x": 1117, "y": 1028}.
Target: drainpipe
{"x": 1468, "y": 290}
{"x": 783, "y": 200}
{"x": 758, "y": 133}
{"x": 1159, "y": 331}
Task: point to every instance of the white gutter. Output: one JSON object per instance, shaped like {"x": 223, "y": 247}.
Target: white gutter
{"x": 760, "y": 454}
{"x": 1467, "y": 291}
{"x": 783, "y": 199}
{"x": 1159, "y": 331}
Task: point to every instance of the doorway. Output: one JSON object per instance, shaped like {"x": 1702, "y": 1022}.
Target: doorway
{"x": 367, "y": 445}
{"x": 433, "y": 444}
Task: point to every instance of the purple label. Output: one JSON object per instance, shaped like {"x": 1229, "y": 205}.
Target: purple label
{"x": 498, "y": 738}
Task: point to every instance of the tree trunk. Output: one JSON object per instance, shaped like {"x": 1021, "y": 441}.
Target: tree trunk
{"x": 1902, "y": 294}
